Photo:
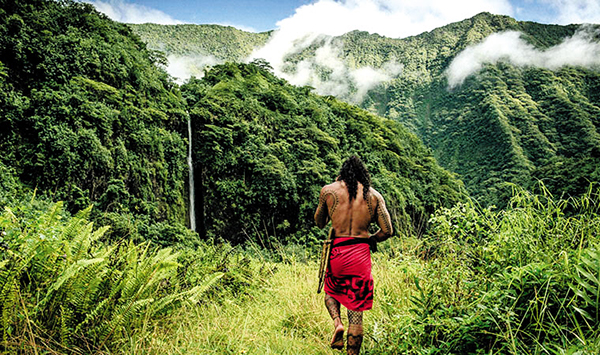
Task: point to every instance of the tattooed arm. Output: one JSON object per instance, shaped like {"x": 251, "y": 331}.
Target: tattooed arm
{"x": 382, "y": 216}
{"x": 328, "y": 201}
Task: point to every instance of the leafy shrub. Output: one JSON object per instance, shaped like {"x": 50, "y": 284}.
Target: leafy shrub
{"x": 520, "y": 280}
{"x": 61, "y": 286}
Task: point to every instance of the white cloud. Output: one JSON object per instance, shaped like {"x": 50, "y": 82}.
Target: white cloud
{"x": 368, "y": 78}
{"x": 122, "y": 11}
{"x": 390, "y": 18}
{"x": 573, "y": 11}
{"x": 579, "y": 50}
{"x": 319, "y": 21}
{"x": 329, "y": 75}
{"x": 184, "y": 67}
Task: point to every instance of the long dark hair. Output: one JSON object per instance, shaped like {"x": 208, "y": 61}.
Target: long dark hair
{"x": 353, "y": 171}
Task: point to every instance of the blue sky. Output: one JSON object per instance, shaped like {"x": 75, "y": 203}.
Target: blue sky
{"x": 259, "y": 15}
{"x": 253, "y": 15}
{"x": 263, "y": 15}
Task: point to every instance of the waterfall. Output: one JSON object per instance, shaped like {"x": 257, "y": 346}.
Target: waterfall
{"x": 191, "y": 179}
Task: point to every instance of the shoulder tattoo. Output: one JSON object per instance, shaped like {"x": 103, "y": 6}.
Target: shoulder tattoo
{"x": 383, "y": 215}
{"x": 335, "y": 203}
{"x": 370, "y": 206}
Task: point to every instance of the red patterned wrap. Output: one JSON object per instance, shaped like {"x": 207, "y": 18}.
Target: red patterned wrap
{"x": 348, "y": 278}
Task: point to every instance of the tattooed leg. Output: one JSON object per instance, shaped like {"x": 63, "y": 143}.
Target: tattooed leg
{"x": 355, "y": 332}
{"x": 333, "y": 306}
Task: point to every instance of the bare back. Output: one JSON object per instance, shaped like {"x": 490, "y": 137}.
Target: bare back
{"x": 352, "y": 218}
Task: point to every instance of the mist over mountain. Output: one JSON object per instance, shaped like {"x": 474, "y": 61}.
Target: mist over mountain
{"x": 497, "y": 100}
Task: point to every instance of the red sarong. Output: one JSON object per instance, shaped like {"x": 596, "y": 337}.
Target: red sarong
{"x": 348, "y": 278}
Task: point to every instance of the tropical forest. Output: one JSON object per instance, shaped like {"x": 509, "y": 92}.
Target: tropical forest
{"x": 144, "y": 213}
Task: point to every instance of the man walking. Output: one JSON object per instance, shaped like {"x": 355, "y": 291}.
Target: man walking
{"x": 351, "y": 204}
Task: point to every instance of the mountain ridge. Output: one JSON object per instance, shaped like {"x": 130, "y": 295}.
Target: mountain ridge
{"x": 459, "y": 124}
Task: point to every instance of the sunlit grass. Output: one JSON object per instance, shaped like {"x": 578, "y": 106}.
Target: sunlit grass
{"x": 285, "y": 316}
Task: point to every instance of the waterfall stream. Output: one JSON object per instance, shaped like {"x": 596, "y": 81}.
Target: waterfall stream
{"x": 191, "y": 179}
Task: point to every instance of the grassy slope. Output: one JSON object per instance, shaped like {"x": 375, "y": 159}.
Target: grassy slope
{"x": 519, "y": 281}
{"x": 286, "y": 316}
{"x": 523, "y": 280}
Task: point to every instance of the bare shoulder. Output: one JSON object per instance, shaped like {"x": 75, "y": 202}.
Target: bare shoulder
{"x": 331, "y": 187}
{"x": 330, "y": 190}
{"x": 375, "y": 193}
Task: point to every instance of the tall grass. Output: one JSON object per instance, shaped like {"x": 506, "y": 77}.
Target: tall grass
{"x": 285, "y": 316}
{"x": 523, "y": 280}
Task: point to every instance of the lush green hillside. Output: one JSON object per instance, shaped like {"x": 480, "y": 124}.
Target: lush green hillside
{"x": 224, "y": 43}
{"x": 265, "y": 149}
{"x": 87, "y": 116}
{"x": 507, "y": 124}
{"x": 524, "y": 125}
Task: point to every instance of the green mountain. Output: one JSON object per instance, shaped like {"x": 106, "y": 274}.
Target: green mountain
{"x": 265, "y": 149}
{"x": 224, "y": 43}
{"x": 507, "y": 124}
{"x": 89, "y": 117}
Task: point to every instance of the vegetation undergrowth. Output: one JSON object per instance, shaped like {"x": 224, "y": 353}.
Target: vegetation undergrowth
{"x": 518, "y": 281}
{"x": 65, "y": 290}
{"x": 523, "y": 280}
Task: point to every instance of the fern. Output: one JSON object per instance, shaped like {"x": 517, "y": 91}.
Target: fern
{"x": 8, "y": 300}
{"x": 92, "y": 315}
{"x": 196, "y": 293}
{"x": 80, "y": 292}
{"x": 66, "y": 319}
{"x": 123, "y": 315}
{"x": 588, "y": 286}
{"x": 51, "y": 217}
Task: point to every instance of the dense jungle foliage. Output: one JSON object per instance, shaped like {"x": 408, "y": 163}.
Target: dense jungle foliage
{"x": 225, "y": 44}
{"x": 505, "y": 125}
{"x": 88, "y": 118}
{"x": 91, "y": 119}
{"x": 265, "y": 148}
